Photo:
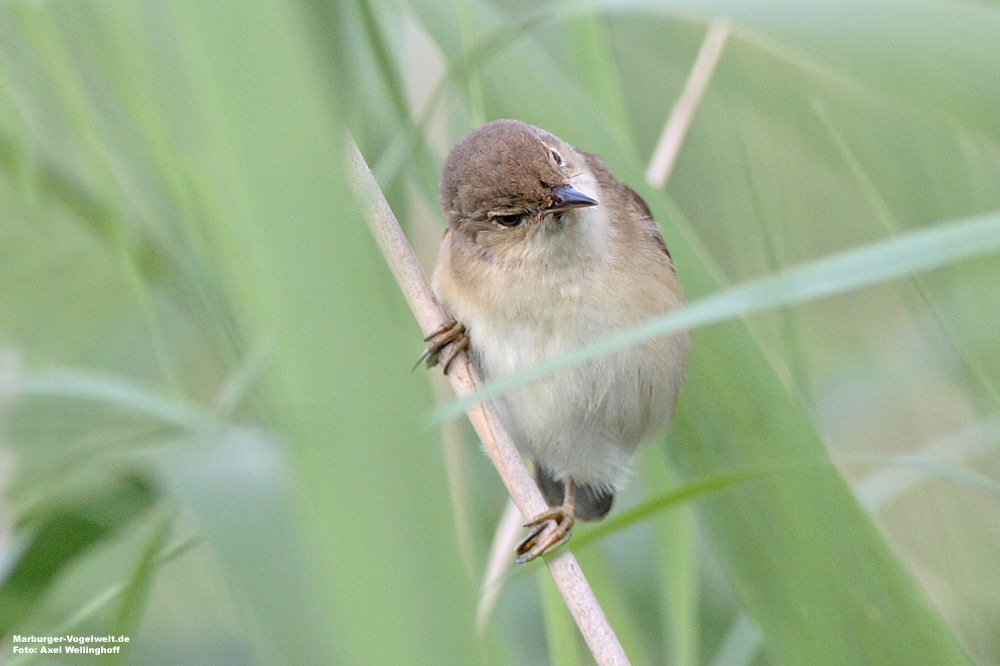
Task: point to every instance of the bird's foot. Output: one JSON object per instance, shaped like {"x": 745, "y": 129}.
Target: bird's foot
{"x": 444, "y": 344}
{"x": 547, "y": 531}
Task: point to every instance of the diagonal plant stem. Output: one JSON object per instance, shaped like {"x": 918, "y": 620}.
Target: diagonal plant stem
{"x": 679, "y": 121}
{"x": 565, "y": 571}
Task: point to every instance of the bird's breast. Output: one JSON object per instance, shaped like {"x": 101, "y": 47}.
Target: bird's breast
{"x": 586, "y": 420}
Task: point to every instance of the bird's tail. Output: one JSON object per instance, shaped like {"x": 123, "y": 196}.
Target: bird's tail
{"x": 592, "y": 503}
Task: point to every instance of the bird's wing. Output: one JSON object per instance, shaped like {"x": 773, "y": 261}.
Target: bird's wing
{"x": 626, "y": 199}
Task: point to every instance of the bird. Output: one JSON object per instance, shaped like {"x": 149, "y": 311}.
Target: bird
{"x": 547, "y": 250}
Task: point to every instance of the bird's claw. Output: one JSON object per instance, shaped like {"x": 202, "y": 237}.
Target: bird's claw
{"x": 444, "y": 344}
{"x": 547, "y": 531}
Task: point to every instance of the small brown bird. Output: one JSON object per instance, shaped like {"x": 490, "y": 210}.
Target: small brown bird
{"x": 547, "y": 251}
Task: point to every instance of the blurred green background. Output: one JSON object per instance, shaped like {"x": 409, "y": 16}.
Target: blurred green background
{"x": 210, "y": 439}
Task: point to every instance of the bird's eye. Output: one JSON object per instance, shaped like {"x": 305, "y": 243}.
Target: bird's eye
{"x": 511, "y": 220}
{"x": 557, "y": 157}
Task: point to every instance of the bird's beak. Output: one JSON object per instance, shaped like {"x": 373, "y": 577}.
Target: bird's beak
{"x": 566, "y": 197}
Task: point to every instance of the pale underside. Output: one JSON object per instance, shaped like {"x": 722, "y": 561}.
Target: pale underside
{"x": 573, "y": 282}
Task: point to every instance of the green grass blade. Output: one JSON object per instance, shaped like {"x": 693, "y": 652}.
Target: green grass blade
{"x": 237, "y": 487}
{"x": 136, "y": 591}
{"x": 864, "y": 45}
{"x": 370, "y": 497}
{"x": 687, "y": 492}
{"x": 678, "y": 571}
{"x": 116, "y": 391}
{"x": 902, "y": 256}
